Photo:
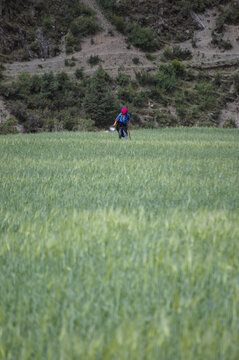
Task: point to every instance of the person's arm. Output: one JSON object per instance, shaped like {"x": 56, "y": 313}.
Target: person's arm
{"x": 117, "y": 119}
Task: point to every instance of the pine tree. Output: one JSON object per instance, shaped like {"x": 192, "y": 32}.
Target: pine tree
{"x": 100, "y": 103}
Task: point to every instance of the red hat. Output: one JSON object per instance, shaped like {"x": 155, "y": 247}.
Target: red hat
{"x": 124, "y": 111}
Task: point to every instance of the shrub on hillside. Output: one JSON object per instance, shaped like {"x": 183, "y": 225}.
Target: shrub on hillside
{"x": 217, "y": 40}
{"x": 83, "y": 26}
{"x": 123, "y": 79}
{"x": 179, "y": 68}
{"x": 9, "y": 127}
{"x": 94, "y": 60}
{"x": 236, "y": 82}
{"x": 119, "y": 24}
{"x": 141, "y": 37}
{"x": 177, "y": 53}
{"x": 126, "y": 94}
{"x": 19, "y": 110}
{"x": 47, "y": 23}
{"x": 207, "y": 96}
{"x": 166, "y": 78}
{"x": 82, "y": 9}
{"x": 145, "y": 78}
{"x": 79, "y": 73}
{"x": 140, "y": 99}
{"x": 108, "y": 5}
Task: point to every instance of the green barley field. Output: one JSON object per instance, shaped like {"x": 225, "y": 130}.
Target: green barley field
{"x": 115, "y": 250}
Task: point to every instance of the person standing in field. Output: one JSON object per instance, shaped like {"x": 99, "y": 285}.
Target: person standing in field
{"x": 122, "y": 123}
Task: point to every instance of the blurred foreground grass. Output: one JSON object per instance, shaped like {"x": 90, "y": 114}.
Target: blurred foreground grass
{"x": 120, "y": 250}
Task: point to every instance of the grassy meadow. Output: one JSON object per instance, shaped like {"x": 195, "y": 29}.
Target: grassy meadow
{"x": 115, "y": 250}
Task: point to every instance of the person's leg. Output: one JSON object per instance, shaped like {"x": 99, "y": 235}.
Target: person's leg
{"x": 125, "y": 134}
{"x": 120, "y": 132}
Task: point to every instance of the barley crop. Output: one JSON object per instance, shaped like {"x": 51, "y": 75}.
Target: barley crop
{"x": 115, "y": 250}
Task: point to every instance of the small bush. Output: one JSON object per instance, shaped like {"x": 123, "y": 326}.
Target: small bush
{"x": 236, "y": 82}
{"x": 150, "y": 57}
{"x": 177, "y": 53}
{"x": 218, "y": 79}
{"x": 217, "y": 40}
{"x": 165, "y": 81}
{"x": 179, "y": 68}
{"x": 84, "y": 26}
{"x": 9, "y": 127}
{"x": 82, "y": 9}
{"x": 79, "y": 73}
{"x": 70, "y": 40}
{"x": 94, "y": 60}
{"x": 69, "y": 62}
{"x": 123, "y": 79}
{"x": 72, "y": 43}
{"x": 135, "y": 60}
{"x": 47, "y": 23}
{"x": 126, "y": 94}
{"x": 230, "y": 123}
{"x": 19, "y": 110}
{"x": 145, "y": 78}
{"x": 23, "y": 55}
{"x": 141, "y": 37}
{"x": 207, "y": 96}
{"x": 140, "y": 99}
{"x": 166, "y": 78}
{"x": 119, "y": 23}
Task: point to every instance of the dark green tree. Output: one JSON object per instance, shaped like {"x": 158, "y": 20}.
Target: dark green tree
{"x": 100, "y": 103}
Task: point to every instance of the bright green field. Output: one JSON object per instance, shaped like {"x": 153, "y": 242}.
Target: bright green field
{"x": 120, "y": 250}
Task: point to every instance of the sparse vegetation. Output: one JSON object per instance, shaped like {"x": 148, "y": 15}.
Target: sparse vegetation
{"x": 69, "y": 62}
{"x": 79, "y": 73}
{"x": 217, "y": 40}
{"x": 177, "y": 53}
{"x": 150, "y": 57}
{"x": 123, "y": 79}
{"x": 136, "y": 60}
{"x": 9, "y": 126}
{"x": 236, "y": 82}
{"x": 94, "y": 60}
{"x": 142, "y": 38}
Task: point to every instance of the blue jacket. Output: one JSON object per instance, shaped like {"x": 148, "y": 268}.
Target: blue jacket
{"x": 120, "y": 118}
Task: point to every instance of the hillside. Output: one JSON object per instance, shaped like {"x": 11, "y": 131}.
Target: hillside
{"x": 130, "y": 45}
